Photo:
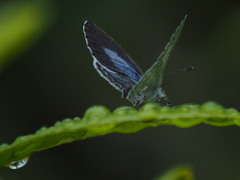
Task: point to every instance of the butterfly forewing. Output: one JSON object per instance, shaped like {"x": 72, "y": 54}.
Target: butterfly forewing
{"x": 149, "y": 87}
{"x": 110, "y": 60}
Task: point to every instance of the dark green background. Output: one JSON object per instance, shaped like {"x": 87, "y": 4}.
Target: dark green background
{"x": 54, "y": 79}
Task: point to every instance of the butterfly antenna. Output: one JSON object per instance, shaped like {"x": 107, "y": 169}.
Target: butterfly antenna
{"x": 181, "y": 70}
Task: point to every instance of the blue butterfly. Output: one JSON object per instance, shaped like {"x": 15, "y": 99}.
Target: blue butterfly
{"x": 120, "y": 70}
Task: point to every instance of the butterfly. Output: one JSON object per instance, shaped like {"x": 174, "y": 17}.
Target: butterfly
{"x": 122, "y": 72}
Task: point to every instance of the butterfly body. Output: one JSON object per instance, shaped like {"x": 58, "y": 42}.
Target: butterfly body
{"x": 121, "y": 71}
{"x": 143, "y": 96}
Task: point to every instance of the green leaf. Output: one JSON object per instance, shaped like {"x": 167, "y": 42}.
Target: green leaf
{"x": 180, "y": 172}
{"x": 98, "y": 121}
{"x": 21, "y": 23}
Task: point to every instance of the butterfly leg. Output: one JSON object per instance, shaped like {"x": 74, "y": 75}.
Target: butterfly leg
{"x": 126, "y": 91}
{"x": 138, "y": 103}
{"x": 162, "y": 97}
{"x": 160, "y": 100}
{"x": 167, "y": 101}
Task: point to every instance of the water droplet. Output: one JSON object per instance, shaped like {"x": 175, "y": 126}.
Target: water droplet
{"x": 18, "y": 164}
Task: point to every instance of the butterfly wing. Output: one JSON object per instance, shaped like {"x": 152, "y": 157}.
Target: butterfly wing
{"x": 110, "y": 60}
{"x": 149, "y": 87}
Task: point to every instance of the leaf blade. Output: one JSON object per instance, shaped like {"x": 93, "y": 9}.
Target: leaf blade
{"x": 98, "y": 121}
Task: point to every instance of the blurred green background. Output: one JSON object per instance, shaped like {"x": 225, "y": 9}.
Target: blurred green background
{"x": 46, "y": 75}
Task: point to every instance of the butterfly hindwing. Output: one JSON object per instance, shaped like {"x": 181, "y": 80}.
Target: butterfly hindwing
{"x": 118, "y": 80}
{"x": 110, "y": 60}
{"x": 149, "y": 87}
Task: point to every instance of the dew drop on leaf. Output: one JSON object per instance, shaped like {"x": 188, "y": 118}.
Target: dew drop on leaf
{"x": 18, "y": 164}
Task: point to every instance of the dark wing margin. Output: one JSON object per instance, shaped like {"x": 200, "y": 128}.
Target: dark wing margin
{"x": 110, "y": 60}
